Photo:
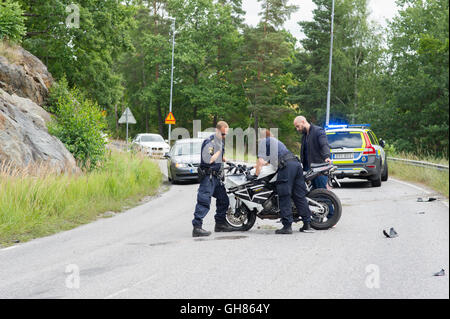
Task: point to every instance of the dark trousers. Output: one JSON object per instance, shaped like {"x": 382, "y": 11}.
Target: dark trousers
{"x": 319, "y": 182}
{"x": 291, "y": 184}
{"x": 210, "y": 187}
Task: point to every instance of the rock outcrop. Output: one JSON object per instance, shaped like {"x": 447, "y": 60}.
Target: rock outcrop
{"x": 23, "y": 74}
{"x": 24, "y": 138}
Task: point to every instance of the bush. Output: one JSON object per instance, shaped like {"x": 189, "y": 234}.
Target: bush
{"x": 79, "y": 124}
{"x": 12, "y": 21}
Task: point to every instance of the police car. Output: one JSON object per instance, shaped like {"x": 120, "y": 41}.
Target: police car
{"x": 357, "y": 152}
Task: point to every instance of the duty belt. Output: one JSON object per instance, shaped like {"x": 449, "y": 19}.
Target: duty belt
{"x": 286, "y": 158}
{"x": 209, "y": 171}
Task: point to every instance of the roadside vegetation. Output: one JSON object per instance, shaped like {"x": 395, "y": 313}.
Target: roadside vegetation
{"x": 435, "y": 179}
{"x": 36, "y": 202}
{"x": 394, "y": 77}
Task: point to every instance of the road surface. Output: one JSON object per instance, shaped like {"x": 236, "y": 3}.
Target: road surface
{"x": 148, "y": 252}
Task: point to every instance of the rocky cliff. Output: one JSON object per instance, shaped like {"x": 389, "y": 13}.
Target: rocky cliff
{"x": 24, "y": 138}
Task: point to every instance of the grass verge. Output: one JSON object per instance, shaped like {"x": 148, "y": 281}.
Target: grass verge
{"x": 34, "y": 206}
{"x": 433, "y": 178}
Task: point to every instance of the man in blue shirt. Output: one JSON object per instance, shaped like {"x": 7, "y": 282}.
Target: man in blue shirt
{"x": 210, "y": 174}
{"x": 290, "y": 181}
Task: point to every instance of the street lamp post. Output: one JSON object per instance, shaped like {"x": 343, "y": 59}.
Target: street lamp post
{"x": 331, "y": 60}
{"x": 171, "y": 76}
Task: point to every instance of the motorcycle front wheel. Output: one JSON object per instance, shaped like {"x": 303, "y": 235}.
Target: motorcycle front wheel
{"x": 326, "y": 208}
{"x": 240, "y": 218}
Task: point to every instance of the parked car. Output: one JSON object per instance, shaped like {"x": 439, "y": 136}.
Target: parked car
{"x": 357, "y": 153}
{"x": 184, "y": 159}
{"x": 151, "y": 144}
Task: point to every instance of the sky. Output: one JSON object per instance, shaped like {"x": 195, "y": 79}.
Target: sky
{"x": 381, "y": 10}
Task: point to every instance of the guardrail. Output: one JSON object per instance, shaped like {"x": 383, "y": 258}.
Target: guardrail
{"x": 419, "y": 163}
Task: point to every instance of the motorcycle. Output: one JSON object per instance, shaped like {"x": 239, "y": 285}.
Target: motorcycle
{"x": 259, "y": 198}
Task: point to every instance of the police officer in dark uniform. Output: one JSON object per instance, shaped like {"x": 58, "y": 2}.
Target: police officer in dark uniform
{"x": 211, "y": 183}
{"x": 290, "y": 181}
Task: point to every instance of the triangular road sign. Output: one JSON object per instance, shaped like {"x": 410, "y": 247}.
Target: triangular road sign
{"x": 127, "y": 116}
{"x": 170, "y": 119}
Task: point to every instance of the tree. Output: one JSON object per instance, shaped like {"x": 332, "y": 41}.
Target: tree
{"x": 265, "y": 50}
{"x": 87, "y": 54}
{"x": 355, "y": 53}
{"x": 418, "y": 73}
{"x": 12, "y": 21}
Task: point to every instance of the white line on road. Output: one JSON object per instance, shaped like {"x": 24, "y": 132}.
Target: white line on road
{"x": 8, "y": 248}
{"x": 127, "y": 289}
{"x": 419, "y": 188}
{"x": 411, "y": 185}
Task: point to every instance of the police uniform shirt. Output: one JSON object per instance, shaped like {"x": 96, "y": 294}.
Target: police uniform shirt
{"x": 210, "y": 146}
{"x": 270, "y": 149}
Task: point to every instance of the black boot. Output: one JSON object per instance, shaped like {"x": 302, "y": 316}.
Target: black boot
{"x": 223, "y": 227}
{"x": 286, "y": 230}
{"x": 306, "y": 228}
{"x": 200, "y": 232}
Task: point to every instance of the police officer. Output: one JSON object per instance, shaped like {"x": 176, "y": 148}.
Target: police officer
{"x": 290, "y": 181}
{"x": 211, "y": 184}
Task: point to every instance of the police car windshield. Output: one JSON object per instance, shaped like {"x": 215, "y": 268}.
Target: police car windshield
{"x": 151, "y": 138}
{"x": 187, "y": 149}
{"x": 345, "y": 140}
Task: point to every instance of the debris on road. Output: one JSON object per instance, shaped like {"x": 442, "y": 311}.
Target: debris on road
{"x": 421, "y": 213}
{"x": 425, "y": 199}
{"x": 392, "y": 233}
{"x": 440, "y": 273}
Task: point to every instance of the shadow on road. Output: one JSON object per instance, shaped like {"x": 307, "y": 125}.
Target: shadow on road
{"x": 353, "y": 184}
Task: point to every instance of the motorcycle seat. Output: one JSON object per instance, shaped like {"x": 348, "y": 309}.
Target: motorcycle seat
{"x": 317, "y": 165}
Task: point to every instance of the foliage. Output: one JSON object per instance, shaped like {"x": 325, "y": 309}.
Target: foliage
{"x": 79, "y": 124}
{"x": 34, "y": 206}
{"x": 12, "y": 21}
{"x": 85, "y": 54}
{"x": 395, "y": 78}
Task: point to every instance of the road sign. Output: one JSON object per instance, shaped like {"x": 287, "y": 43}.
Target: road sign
{"x": 170, "y": 119}
{"x": 127, "y": 117}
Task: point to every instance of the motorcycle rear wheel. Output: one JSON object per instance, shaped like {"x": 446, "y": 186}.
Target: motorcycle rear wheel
{"x": 329, "y": 200}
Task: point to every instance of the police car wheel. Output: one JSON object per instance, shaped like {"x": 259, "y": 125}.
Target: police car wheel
{"x": 376, "y": 180}
{"x": 385, "y": 175}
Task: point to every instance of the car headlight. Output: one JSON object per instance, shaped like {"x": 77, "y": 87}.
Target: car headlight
{"x": 179, "y": 165}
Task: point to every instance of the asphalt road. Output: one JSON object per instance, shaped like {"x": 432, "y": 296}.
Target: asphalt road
{"x": 148, "y": 252}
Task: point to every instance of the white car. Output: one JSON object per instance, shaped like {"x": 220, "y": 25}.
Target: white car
{"x": 151, "y": 144}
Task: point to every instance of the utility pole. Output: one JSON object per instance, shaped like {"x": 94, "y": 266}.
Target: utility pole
{"x": 171, "y": 76}
{"x": 331, "y": 61}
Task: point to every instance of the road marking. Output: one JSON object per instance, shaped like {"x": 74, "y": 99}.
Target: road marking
{"x": 132, "y": 286}
{"x": 411, "y": 185}
{"x": 8, "y": 248}
{"x": 419, "y": 188}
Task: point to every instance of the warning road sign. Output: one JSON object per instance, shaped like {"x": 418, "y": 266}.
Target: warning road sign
{"x": 127, "y": 117}
{"x": 170, "y": 119}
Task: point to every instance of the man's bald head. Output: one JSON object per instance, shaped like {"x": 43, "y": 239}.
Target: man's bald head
{"x": 301, "y": 124}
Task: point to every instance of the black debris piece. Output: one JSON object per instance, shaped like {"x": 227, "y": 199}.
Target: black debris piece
{"x": 392, "y": 233}
{"x": 440, "y": 273}
{"x": 426, "y": 199}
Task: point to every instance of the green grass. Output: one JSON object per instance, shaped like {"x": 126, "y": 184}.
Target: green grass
{"x": 36, "y": 206}
{"x": 438, "y": 180}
